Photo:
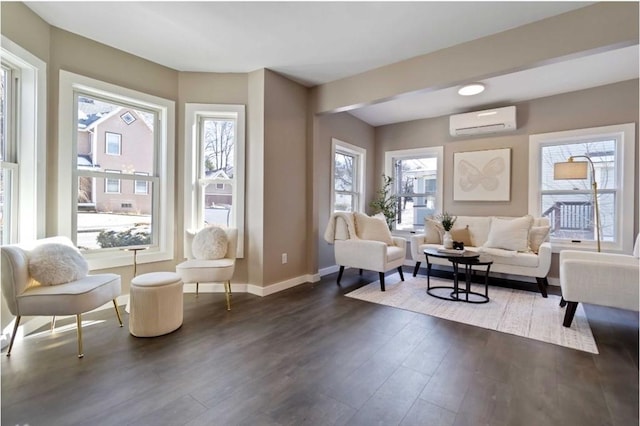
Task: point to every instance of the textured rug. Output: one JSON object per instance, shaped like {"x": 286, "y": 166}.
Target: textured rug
{"x": 512, "y": 311}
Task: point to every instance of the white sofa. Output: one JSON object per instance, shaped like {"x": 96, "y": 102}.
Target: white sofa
{"x": 533, "y": 262}
{"x": 605, "y": 279}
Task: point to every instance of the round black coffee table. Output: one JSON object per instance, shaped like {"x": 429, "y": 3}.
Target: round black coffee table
{"x": 463, "y": 257}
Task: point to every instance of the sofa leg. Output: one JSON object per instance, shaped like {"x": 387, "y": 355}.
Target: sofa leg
{"x": 569, "y": 313}
{"x": 415, "y": 270}
{"x": 381, "y": 281}
{"x": 542, "y": 285}
{"x": 360, "y": 272}
{"x": 400, "y": 272}
{"x": 563, "y": 302}
{"x": 340, "y": 274}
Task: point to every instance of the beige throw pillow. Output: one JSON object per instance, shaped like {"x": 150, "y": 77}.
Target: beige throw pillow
{"x": 462, "y": 235}
{"x": 509, "y": 234}
{"x": 372, "y": 228}
{"x": 537, "y": 236}
{"x": 432, "y": 231}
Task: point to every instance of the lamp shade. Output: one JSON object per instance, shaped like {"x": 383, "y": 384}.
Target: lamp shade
{"x": 571, "y": 170}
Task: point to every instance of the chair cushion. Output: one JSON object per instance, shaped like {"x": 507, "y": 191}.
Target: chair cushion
{"x": 372, "y": 228}
{"x": 210, "y": 243}
{"x": 54, "y": 263}
{"x": 206, "y": 271}
{"x": 70, "y": 298}
{"x": 509, "y": 234}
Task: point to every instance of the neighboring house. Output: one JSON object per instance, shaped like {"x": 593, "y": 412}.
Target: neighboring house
{"x": 218, "y": 198}
{"x": 118, "y": 141}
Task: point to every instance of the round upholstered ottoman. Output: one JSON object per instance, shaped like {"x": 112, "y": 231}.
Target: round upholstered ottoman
{"x": 155, "y": 302}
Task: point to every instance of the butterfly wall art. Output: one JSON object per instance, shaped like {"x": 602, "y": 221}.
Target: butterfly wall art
{"x": 482, "y": 175}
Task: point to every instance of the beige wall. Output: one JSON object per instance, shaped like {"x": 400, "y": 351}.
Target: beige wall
{"x": 24, "y": 27}
{"x": 285, "y": 219}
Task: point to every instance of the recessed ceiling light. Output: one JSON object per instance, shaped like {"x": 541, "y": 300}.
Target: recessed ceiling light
{"x": 471, "y": 89}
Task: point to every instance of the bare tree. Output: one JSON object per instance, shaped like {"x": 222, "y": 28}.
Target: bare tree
{"x": 218, "y": 148}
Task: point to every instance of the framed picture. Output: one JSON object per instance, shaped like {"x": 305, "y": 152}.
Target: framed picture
{"x": 482, "y": 175}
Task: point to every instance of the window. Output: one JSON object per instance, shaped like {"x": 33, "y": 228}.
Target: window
{"x": 22, "y": 165}
{"x": 141, "y": 186}
{"x": 348, "y": 177}
{"x": 569, "y": 204}
{"x": 417, "y": 182}
{"x": 113, "y": 142}
{"x": 105, "y": 218}
{"x": 112, "y": 186}
{"x": 214, "y": 167}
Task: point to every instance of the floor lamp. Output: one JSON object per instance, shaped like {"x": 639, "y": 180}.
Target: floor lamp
{"x": 579, "y": 170}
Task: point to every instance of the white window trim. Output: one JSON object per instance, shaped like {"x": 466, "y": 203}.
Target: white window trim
{"x": 106, "y": 143}
{"x": 624, "y": 176}
{"x": 193, "y": 217}
{"x": 68, "y": 181}
{"x": 360, "y": 154}
{"x": 106, "y": 183}
{"x": 433, "y": 151}
{"x": 32, "y": 170}
{"x": 146, "y": 184}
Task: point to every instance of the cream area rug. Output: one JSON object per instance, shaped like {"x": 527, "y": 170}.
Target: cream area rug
{"x": 523, "y": 313}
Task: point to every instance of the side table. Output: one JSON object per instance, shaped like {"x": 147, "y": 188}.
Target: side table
{"x": 469, "y": 263}
{"x": 135, "y": 250}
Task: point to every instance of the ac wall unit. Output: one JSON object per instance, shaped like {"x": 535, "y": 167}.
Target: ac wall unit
{"x": 487, "y": 121}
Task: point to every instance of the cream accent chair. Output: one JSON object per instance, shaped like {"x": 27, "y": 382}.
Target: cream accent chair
{"x": 358, "y": 253}
{"x": 605, "y": 279}
{"x": 25, "y": 297}
{"x": 209, "y": 271}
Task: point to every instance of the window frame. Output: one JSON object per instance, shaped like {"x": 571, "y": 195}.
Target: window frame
{"x": 163, "y": 203}
{"x": 107, "y": 182}
{"x": 625, "y": 136}
{"x": 106, "y": 143}
{"x": 30, "y": 169}
{"x": 407, "y": 154}
{"x": 193, "y": 184}
{"x": 137, "y": 182}
{"x": 360, "y": 161}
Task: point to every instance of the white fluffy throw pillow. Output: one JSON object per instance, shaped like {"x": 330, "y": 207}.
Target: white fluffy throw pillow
{"x": 509, "y": 234}
{"x": 54, "y": 263}
{"x": 210, "y": 243}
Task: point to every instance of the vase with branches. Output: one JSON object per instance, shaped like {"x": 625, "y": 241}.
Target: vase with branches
{"x": 386, "y": 202}
{"x": 447, "y": 221}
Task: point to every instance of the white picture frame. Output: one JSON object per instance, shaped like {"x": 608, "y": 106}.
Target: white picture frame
{"x": 482, "y": 175}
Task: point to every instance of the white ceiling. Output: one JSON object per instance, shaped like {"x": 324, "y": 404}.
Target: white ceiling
{"x": 318, "y": 42}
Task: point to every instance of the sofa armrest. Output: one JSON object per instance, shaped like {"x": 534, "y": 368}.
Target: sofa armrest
{"x": 400, "y": 242}
{"x": 600, "y": 278}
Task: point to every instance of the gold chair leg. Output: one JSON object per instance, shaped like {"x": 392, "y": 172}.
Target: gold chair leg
{"x": 13, "y": 335}
{"x": 115, "y": 305}
{"x": 53, "y": 323}
{"x": 197, "y": 286}
{"x": 79, "y": 321}
{"x": 227, "y": 291}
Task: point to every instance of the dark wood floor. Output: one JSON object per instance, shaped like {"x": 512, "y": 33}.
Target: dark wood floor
{"x": 309, "y": 355}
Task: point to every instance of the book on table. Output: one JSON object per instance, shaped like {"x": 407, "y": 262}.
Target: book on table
{"x": 451, "y": 251}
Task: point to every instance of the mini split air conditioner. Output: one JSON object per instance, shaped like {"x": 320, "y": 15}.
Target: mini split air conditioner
{"x": 487, "y": 121}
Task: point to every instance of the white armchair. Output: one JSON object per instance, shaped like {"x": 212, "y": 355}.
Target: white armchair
{"x": 365, "y": 243}
{"x": 218, "y": 270}
{"x": 604, "y": 279}
{"x": 26, "y": 297}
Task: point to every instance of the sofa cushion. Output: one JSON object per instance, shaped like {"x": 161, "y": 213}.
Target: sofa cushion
{"x": 537, "y": 236}
{"x": 395, "y": 253}
{"x": 432, "y": 231}
{"x": 372, "y": 228}
{"x": 53, "y": 264}
{"x": 509, "y": 234}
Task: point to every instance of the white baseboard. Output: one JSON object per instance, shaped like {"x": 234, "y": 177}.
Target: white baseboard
{"x": 328, "y": 270}
{"x": 252, "y": 288}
